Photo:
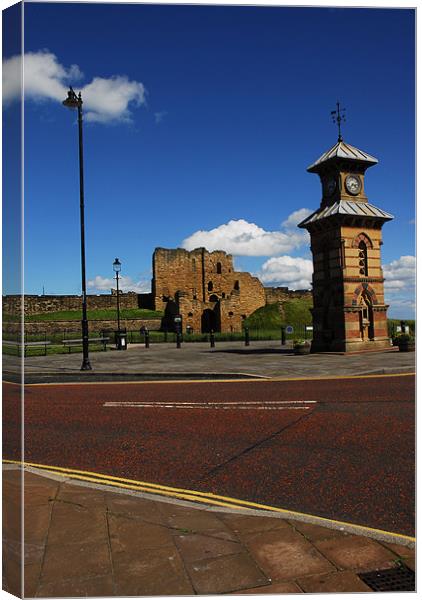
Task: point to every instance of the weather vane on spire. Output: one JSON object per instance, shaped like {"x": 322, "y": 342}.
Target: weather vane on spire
{"x": 338, "y": 116}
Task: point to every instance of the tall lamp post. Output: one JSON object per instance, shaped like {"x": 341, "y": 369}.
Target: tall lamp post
{"x": 74, "y": 101}
{"x": 117, "y": 267}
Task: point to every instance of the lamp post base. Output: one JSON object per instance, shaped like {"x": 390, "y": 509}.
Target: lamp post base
{"x": 86, "y": 365}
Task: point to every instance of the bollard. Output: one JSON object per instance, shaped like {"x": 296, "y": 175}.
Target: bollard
{"x": 212, "y": 339}
{"x": 283, "y": 336}
{"x": 146, "y": 337}
{"x": 178, "y": 339}
{"x": 246, "y": 336}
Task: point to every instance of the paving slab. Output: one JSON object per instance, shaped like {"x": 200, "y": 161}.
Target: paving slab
{"x": 339, "y": 582}
{"x": 285, "y": 554}
{"x": 354, "y": 552}
{"x": 225, "y": 574}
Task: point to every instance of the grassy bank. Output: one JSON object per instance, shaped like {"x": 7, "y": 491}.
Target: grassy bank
{"x": 296, "y": 313}
{"x": 96, "y": 315}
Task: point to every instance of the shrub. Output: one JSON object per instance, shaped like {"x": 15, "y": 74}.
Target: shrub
{"x": 402, "y": 338}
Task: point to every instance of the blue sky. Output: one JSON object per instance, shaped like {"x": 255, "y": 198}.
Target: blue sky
{"x": 204, "y": 119}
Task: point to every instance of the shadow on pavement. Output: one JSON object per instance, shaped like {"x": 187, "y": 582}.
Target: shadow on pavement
{"x": 254, "y": 351}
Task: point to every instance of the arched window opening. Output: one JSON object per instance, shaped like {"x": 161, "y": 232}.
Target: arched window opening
{"x": 190, "y": 314}
{"x": 219, "y": 268}
{"x": 230, "y": 313}
{"x": 363, "y": 259}
{"x": 210, "y": 286}
{"x": 223, "y": 295}
{"x": 236, "y": 285}
{"x": 363, "y": 237}
{"x": 213, "y": 298}
{"x": 366, "y": 318}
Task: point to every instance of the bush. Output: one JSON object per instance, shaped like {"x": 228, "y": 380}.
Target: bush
{"x": 402, "y": 338}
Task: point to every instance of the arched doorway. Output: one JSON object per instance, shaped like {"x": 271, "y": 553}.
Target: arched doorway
{"x": 209, "y": 321}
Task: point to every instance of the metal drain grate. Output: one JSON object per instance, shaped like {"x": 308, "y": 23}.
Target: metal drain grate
{"x": 400, "y": 579}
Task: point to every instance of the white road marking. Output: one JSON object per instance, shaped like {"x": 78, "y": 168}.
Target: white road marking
{"x": 246, "y": 405}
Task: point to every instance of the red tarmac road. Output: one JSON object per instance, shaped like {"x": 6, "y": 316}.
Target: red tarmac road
{"x": 347, "y": 455}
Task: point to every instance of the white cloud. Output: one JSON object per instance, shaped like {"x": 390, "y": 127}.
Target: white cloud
{"x": 105, "y": 99}
{"x": 296, "y": 217}
{"x": 295, "y": 273}
{"x": 126, "y": 284}
{"x": 400, "y": 274}
{"x": 109, "y": 99}
{"x": 241, "y": 238}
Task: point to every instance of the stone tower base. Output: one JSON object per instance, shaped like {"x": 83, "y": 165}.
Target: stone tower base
{"x": 351, "y": 345}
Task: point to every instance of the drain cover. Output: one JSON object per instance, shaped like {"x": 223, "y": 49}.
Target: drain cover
{"x": 400, "y": 579}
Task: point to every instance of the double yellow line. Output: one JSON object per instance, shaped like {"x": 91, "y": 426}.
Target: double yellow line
{"x": 200, "y": 497}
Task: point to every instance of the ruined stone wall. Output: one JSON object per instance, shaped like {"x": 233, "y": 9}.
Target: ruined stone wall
{"x": 282, "y": 294}
{"x": 45, "y": 304}
{"x": 175, "y": 270}
{"x": 251, "y": 293}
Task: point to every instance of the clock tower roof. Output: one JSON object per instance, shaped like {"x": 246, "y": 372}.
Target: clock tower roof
{"x": 344, "y": 151}
{"x": 347, "y": 209}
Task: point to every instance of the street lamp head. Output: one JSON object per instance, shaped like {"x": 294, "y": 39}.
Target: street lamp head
{"x": 72, "y": 100}
{"x": 117, "y": 266}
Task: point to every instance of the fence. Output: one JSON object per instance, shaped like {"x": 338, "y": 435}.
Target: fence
{"x": 137, "y": 336}
{"x": 56, "y": 340}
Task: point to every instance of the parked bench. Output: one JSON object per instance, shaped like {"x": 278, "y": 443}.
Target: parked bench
{"x": 79, "y": 342}
{"x": 25, "y": 345}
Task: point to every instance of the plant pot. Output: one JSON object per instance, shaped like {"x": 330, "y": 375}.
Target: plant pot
{"x": 406, "y": 346}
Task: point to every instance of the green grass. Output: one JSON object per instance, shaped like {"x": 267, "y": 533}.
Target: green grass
{"x": 96, "y": 315}
{"x": 296, "y": 313}
{"x": 53, "y": 349}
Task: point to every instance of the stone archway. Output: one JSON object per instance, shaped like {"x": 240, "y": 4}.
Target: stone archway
{"x": 209, "y": 321}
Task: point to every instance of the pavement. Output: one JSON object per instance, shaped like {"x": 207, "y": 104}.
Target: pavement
{"x": 197, "y": 360}
{"x": 86, "y": 539}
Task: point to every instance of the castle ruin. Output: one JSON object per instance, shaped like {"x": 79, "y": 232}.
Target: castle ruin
{"x": 204, "y": 289}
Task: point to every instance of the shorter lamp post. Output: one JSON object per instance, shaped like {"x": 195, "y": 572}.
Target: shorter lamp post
{"x": 117, "y": 267}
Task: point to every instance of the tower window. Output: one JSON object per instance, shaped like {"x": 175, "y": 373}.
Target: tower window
{"x": 219, "y": 268}
{"x": 236, "y": 285}
{"x": 363, "y": 259}
{"x": 210, "y": 286}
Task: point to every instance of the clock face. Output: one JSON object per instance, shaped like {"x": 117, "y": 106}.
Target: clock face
{"x": 353, "y": 184}
{"x": 330, "y": 186}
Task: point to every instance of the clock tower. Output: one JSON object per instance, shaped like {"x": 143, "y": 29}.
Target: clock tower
{"x": 349, "y": 313}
